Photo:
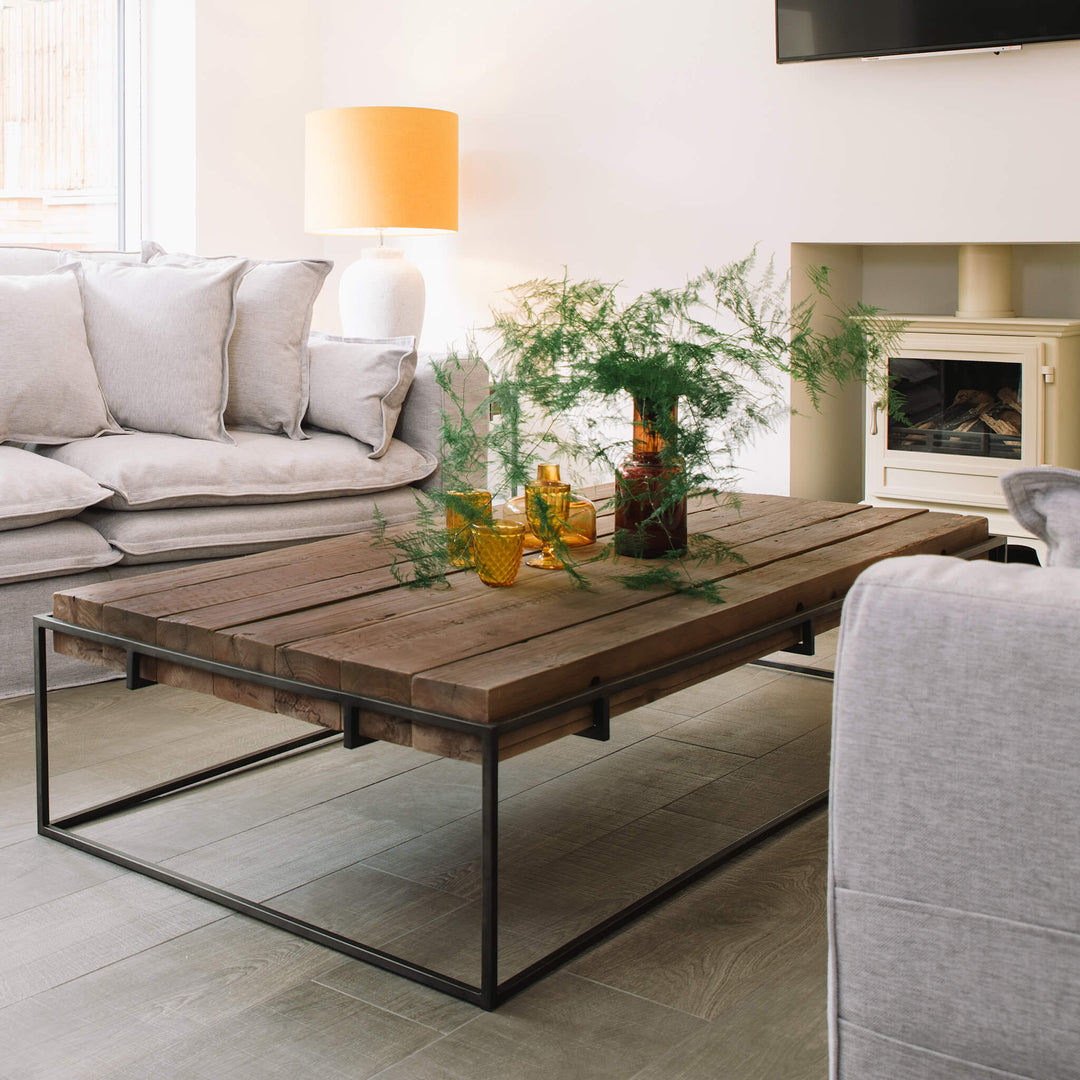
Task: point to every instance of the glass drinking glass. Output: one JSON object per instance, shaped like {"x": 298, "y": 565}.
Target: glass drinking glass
{"x": 463, "y": 508}
{"x": 496, "y": 551}
{"x": 547, "y": 506}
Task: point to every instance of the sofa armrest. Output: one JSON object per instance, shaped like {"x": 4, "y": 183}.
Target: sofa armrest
{"x": 954, "y": 867}
{"x": 421, "y": 416}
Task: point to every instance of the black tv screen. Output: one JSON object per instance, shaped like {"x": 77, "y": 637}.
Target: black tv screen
{"x": 834, "y": 29}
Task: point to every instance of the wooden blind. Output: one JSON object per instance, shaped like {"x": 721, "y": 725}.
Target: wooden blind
{"x": 58, "y": 97}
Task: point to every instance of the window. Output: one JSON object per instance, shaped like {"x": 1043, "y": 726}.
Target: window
{"x": 68, "y": 161}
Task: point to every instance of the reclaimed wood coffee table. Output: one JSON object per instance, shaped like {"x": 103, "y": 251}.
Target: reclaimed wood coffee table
{"x": 324, "y": 633}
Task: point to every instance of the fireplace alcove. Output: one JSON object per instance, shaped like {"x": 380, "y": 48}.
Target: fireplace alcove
{"x": 987, "y": 391}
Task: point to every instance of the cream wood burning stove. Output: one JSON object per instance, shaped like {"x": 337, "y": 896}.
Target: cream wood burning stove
{"x": 981, "y": 396}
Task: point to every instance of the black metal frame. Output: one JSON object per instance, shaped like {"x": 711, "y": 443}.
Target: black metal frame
{"x": 490, "y": 993}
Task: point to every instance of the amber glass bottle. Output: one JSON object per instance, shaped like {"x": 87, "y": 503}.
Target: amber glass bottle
{"x": 642, "y": 481}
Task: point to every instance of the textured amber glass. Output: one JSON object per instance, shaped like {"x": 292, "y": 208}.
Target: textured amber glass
{"x": 496, "y": 551}
{"x": 463, "y": 508}
{"x": 547, "y": 506}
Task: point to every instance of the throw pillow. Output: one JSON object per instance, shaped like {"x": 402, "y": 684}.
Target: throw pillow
{"x": 15, "y": 259}
{"x": 268, "y": 353}
{"x": 159, "y": 336}
{"x": 34, "y": 489}
{"x": 358, "y": 386}
{"x": 49, "y": 389}
{"x": 71, "y": 256}
{"x": 1046, "y": 501}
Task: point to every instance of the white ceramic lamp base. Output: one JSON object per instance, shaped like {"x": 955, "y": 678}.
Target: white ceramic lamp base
{"x": 381, "y": 296}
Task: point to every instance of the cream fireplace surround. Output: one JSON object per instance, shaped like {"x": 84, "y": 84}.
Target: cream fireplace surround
{"x": 959, "y": 438}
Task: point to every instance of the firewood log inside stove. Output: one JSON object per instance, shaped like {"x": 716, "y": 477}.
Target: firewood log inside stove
{"x": 979, "y": 400}
{"x": 1003, "y": 421}
{"x": 978, "y": 411}
{"x": 1007, "y": 396}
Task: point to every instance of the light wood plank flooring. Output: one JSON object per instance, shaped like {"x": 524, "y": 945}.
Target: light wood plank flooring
{"x": 106, "y": 975}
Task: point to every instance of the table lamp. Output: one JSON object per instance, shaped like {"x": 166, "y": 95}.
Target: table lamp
{"x": 373, "y": 170}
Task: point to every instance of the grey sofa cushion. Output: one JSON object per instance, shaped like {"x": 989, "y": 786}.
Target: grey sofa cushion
{"x": 268, "y": 350}
{"x": 159, "y": 337}
{"x": 49, "y": 388}
{"x": 34, "y": 490}
{"x": 954, "y": 868}
{"x": 72, "y": 256}
{"x": 203, "y": 533}
{"x": 1046, "y": 501}
{"x": 27, "y": 260}
{"x": 358, "y": 386}
{"x": 148, "y": 471}
{"x": 59, "y": 547}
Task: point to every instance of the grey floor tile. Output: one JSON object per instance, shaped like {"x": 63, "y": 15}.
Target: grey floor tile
{"x": 758, "y": 723}
{"x": 370, "y": 906}
{"x": 399, "y": 996}
{"x": 77, "y": 934}
{"x": 777, "y": 1031}
{"x": 715, "y": 944}
{"x": 564, "y": 1028}
{"x": 714, "y": 692}
{"x": 38, "y": 870}
{"x": 203, "y": 977}
{"x": 321, "y": 1032}
{"x": 184, "y": 822}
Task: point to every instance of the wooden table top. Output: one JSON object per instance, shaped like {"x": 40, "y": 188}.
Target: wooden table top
{"x": 331, "y": 614}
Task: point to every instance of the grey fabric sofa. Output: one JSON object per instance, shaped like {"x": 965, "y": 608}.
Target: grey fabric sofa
{"x": 25, "y": 594}
{"x": 75, "y": 510}
{"x": 954, "y": 878}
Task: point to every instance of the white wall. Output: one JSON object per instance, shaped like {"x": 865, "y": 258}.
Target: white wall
{"x": 640, "y": 142}
{"x": 228, "y": 86}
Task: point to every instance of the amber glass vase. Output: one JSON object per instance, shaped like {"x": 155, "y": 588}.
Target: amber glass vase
{"x": 580, "y": 518}
{"x": 642, "y": 483}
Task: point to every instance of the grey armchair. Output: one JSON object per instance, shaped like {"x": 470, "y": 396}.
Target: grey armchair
{"x": 954, "y": 877}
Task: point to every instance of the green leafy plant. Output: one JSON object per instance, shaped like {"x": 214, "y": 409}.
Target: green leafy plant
{"x": 569, "y": 356}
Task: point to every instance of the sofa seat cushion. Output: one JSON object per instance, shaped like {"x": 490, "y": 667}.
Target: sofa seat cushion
{"x": 152, "y": 472}
{"x": 34, "y": 490}
{"x": 59, "y": 547}
{"x": 153, "y": 536}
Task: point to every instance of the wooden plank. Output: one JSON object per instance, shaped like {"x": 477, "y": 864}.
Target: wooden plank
{"x": 138, "y": 616}
{"x": 524, "y": 675}
{"x": 380, "y": 658}
{"x": 83, "y": 606}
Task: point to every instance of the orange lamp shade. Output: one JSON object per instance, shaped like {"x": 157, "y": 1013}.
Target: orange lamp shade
{"x": 374, "y": 168}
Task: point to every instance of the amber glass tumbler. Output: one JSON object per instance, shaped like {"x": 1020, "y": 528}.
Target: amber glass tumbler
{"x": 464, "y": 508}
{"x": 496, "y": 551}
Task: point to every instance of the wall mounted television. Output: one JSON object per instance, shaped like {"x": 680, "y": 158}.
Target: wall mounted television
{"x": 839, "y": 29}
